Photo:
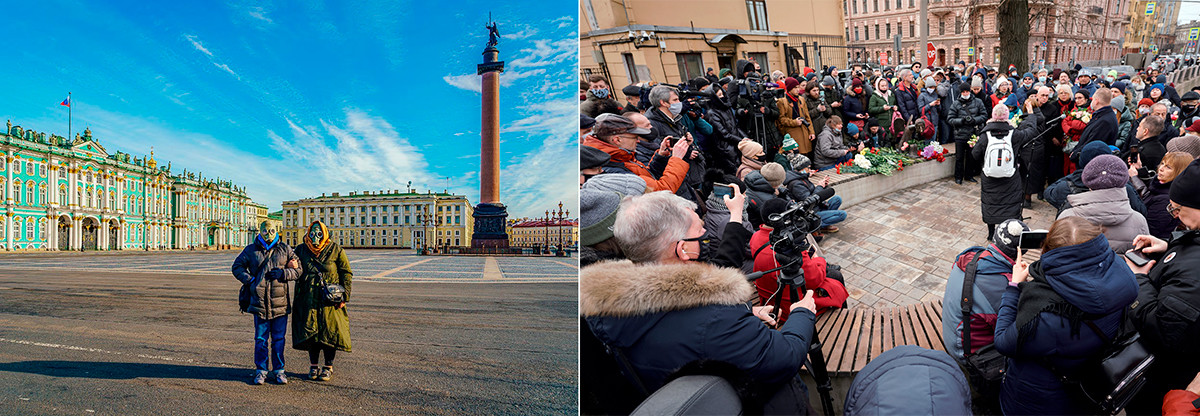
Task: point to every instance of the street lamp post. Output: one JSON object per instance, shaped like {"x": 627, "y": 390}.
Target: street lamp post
{"x": 558, "y": 218}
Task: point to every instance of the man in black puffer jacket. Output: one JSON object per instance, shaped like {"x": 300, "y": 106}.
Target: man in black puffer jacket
{"x": 264, "y": 267}
{"x": 1103, "y": 126}
{"x": 721, "y": 148}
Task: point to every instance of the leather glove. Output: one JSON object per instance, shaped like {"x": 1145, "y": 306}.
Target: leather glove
{"x": 275, "y": 274}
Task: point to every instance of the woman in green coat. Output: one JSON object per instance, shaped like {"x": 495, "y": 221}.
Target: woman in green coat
{"x": 318, "y": 325}
{"x": 881, "y": 106}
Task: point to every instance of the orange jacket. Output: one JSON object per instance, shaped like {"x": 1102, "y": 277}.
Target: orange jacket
{"x": 672, "y": 176}
{"x": 1180, "y": 403}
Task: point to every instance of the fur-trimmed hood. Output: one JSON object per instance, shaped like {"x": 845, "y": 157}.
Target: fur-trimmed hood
{"x": 622, "y": 288}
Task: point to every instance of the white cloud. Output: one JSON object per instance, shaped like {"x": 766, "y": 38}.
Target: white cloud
{"x": 564, "y": 21}
{"x": 199, "y": 46}
{"x": 226, "y": 69}
{"x": 469, "y": 82}
{"x": 525, "y": 31}
{"x": 540, "y": 178}
{"x": 258, "y": 13}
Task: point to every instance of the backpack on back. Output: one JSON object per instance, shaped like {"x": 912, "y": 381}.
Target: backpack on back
{"x": 999, "y": 160}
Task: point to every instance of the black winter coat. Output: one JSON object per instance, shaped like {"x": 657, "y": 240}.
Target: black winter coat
{"x": 722, "y": 144}
{"x": 966, "y": 116}
{"x": 1157, "y": 196}
{"x": 1167, "y": 314}
{"x": 663, "y": 126}
{"x": 1102, "y": 127}
{"x": 1001, "y": 198}
{"x": 660, "y": 318}
{"x": 852, "y": 106}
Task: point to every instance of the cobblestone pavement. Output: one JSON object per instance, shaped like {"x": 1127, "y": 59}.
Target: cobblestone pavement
{"x": 896, "y": 249}
{"x": 368, "y": 265}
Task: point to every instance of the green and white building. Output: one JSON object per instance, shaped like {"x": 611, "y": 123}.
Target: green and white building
{"x": 62, "y": 194}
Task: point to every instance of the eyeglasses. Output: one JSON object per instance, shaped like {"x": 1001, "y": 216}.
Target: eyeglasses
{"x": 1173, "y": 209}
{"x": 700, "y": 239}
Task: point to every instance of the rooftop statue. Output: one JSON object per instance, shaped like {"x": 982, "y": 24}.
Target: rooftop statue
{"x": 493, "y": 35}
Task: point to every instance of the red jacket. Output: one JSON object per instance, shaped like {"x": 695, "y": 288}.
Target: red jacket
{"x": 1181, "y": 403}
{"x": 672, "y": 176}
{"x": 829, "y": 293}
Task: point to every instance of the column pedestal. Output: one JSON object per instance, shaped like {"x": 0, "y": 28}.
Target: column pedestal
{"x": 490, "y": 220}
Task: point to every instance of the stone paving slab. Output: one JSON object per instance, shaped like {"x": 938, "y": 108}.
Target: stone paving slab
{"x": 897, "y": 249}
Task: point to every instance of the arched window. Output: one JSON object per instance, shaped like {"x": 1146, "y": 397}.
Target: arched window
{"x": 29, "y": 193}
{"x": 112, "y": 199}
{"x": 100, "y": 198}
{"x": 62, "y": 195}
{"x": 88, "y": 201}
{"x": 17, "y": 227}
{"x": 29, "y": 224}
{"x": 16, "y": 192}
{"x": 42, "y": 193}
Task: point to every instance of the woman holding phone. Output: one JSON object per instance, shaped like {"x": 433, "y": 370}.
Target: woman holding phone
{"x": 1057, "y": 313}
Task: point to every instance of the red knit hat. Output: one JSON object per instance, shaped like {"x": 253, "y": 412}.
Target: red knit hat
{"x": 790, "y": 83}
{"x": 1195, "y": 127}
{"x": 1145, "y": 102}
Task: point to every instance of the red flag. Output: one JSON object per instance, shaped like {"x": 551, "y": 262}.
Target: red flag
{"x": 66, "y": 102}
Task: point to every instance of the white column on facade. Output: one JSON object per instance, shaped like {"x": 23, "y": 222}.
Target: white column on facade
{"x": 72, "y": 193}
{"x": 8, "y": 167}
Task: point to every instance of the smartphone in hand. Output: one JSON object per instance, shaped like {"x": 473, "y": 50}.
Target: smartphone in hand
{"x": 1032, "y": 240}
{"x": 722, "y": 190}
{"x": 1137, "y": 257}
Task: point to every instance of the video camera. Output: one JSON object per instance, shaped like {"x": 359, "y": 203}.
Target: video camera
{"x": 791, "y": 228}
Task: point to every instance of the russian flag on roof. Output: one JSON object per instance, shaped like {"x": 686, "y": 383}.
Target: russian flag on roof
{"x": 66, "y": 102}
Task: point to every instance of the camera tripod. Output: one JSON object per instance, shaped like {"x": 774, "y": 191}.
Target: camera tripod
{"x": 791, "y": 276}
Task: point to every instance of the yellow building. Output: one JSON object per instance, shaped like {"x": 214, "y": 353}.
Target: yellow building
{"x": 1146, "y": 32}
{"x": 632, "y": 41}
{"x": 383, "y": 219}
{"x": 542, "y": 233}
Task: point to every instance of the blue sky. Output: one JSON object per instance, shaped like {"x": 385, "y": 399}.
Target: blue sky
{"x": 298, "y": 98}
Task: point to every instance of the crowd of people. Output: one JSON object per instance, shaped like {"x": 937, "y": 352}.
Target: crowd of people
{"x": 687, "y": 189}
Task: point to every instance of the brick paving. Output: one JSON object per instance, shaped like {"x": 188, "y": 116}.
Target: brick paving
{"x": 896, "y": 249}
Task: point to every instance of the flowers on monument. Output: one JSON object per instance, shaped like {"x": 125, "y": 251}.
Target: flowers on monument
{"x": 934, "y": 151}
{"x": 974, "y": 139}
{"x": 883, "y": 161}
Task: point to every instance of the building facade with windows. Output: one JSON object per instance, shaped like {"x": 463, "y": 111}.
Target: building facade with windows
{"x": 63, "y": 194}
{"x": 1065, "y": 31}
{"x": 383, "y": 219}
{"x": 635, "y": 41}
{"x": 542, "y": 233}
{"x": 1183, "y": 42}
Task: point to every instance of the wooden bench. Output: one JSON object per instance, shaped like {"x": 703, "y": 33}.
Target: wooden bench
{"x": 853, "y": 337}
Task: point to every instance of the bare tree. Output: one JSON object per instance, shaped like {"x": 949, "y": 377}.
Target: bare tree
{"x": 1013, "y": 24}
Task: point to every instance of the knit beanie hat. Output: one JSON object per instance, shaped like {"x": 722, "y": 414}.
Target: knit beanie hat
{"x": 976, "y": 82}
{"x": 1120, "y": 86}
{"x": 1105, "y": 172}
{"x": 1161, "y": 90}
{"x": 750, "y": 148}
{"x": 773, "y": 173}
{"x": 789, "y": 83}
{"x": 1027, "y": 75}
{"x": 800, "y": 162}
{"x": 926, "y": 72}
{"x": 1118, "y": 103}
{"x": 771, "y": 207}
{"x": 599, "y": 212}
{"x": 1185, "y": 190}
{"x": 963, "y": 87}
{"x": 626, "y": 184}
{"x": 851, "y": 129}
{"x": 1189, "y": 144}
{"x": 1146, "y": 102}
{"x": 1091, "y": 151}
{"x": 723, "y": 72}
{"x": 591, "y": 157}
{"x": 586, "y": 122}
{"x": 828, "y": 81}
{"x": 789, "y": 143}
{"x": 1007, "y": 236}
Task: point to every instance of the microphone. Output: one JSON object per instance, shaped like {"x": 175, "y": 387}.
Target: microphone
{"x": 1060, "y": 117}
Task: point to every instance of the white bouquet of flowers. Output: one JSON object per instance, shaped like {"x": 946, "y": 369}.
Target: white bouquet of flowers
{"x": 861, "y": 161}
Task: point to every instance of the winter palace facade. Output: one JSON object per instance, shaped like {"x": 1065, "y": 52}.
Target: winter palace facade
{"x": 72, "y": 194}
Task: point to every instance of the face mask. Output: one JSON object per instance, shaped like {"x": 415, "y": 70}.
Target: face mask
{"x": 1110, "y": 79}
{"x": 966, "y": 95}
{"x": 1143, "y": 110}
{"x": 267, "y": 231}
{"x": 1188, "y": 108}
{"x": 1042, "y": 80}
{"x": 930, "y": 89}
{"x": 883, "y": 89}
{"x": 600, "y": 93}
{"x": 858, "y": 90}
{"x": 676, "y": 108}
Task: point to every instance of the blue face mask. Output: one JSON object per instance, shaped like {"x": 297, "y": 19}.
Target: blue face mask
{"x": 676, "y": 108}
{"x": 600, "y": 93}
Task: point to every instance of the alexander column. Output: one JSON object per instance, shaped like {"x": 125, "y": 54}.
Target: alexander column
{"x": 490, "y": 215}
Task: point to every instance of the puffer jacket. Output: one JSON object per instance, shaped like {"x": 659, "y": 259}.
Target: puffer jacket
{"x": 269, "y": 299}
{"x": 1167, "y": 315}
{"x": 909, "y": 380}
{"x": 722, "y": 144}
{"x": 1109, "y": 208}
{"x": 906, "y": 101}
{"x": 991, "y": 278}
{"x": 829, "y": 148}
{"x": 758, "y": 192}
{"x": 1087, "y": 276}
{"x": 966, "y": 115}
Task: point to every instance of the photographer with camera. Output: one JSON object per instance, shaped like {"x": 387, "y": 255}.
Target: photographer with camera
{"x": 828, "y": 293}
{"x": 667, "y": 120}
{"x": 661, "y": 310}
{"x": 755, "y": 107}
{"x": 1167, "y": 311}
{"x": 618, "y": 136}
